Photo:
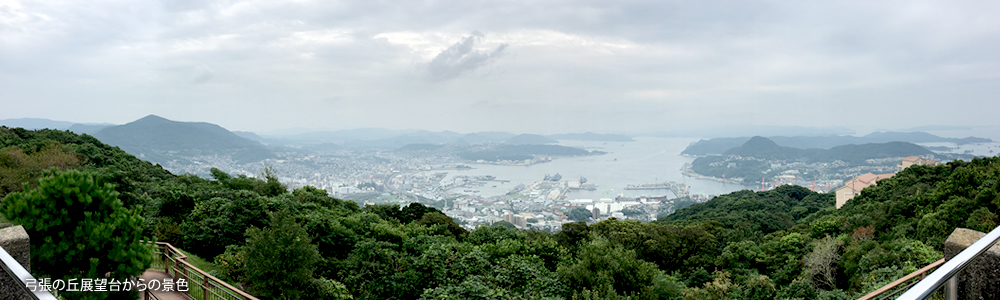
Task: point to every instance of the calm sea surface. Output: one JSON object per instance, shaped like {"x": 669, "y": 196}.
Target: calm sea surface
{"x": 646, "y": 160}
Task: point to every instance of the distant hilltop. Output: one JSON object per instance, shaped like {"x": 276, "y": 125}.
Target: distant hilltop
{"x": 157, "y": 139}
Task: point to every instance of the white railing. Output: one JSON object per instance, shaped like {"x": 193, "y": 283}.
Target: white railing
{"x": 13, "y": 269}
{"x": 946, "y": 273}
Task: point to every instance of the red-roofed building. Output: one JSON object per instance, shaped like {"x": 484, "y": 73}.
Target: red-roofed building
{"x": 854, "y": 186}
{"x": 914, "y": 160}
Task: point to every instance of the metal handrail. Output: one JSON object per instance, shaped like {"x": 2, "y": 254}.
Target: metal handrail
{"x": 149, "y": 295}
{"x": 946, "y": 273}
{"x": 918, "y": 273}
{"x": 210, "y": 285}
{"x": 14, "y": 269}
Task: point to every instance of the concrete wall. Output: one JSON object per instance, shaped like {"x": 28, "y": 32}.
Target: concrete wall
{"x": 14, "y": 240}
{"x": 981, "y": 277}
{"x": 12, "y": 288}
{"x": 842, "y": 195}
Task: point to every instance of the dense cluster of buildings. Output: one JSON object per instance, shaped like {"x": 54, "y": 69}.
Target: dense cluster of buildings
{"x": 542, "y": 207}
{"x": 393, "y": 177}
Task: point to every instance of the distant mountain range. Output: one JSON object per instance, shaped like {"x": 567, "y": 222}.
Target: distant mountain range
{"x": 250, "y": 145}
{"x": 721, "y": 145}
{"x": 157, "y": 139}
{"x": 488, "y": 137}
{"x": 160, "y": 140}
{"x": 590, "y": 136}
{"x": 90, "y": 129}
{"x": 389, "y": 138}
{"x": 516, "y": 152}
{"x": 529, "y": 139}
{"x": 37, "y": 123}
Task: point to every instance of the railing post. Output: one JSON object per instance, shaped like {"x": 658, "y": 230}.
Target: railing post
{"x": 951, "y": 288}
{"x": 204, "y": 289}
{"x": 187, "y": 278}
{"x": 166, "y": 260}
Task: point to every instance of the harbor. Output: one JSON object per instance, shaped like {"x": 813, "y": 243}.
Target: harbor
{"x": 680, "y": 190}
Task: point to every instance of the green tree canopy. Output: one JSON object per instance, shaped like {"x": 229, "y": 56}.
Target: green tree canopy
{"x": 280, "y": 261}
{"x": 603, "y": 265}
{"x": 79, "y": 229}
{"x": 579, "y": 214}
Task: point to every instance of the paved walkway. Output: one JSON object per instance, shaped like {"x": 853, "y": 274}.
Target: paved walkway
{"x": 159, "y": 276}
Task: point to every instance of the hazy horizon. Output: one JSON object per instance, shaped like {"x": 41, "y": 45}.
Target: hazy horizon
{"x": 991, "y": 132}
{"x": 544, "y": 68}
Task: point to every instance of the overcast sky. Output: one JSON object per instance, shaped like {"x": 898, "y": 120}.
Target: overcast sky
{"x": 519, "y": 66}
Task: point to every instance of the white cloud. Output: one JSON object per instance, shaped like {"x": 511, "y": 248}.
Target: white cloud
{"x": 318, "y": 37}
{"x": 201, "y": 44}
{"x": 427, "y": 45}
{"x": 462, "y": 57}
{"x": 424, "y": 45}
{"x": 574, "y": 60}
{"x": 203, "y": 73}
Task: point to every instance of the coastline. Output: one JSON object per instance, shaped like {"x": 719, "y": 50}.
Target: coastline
{"x": 688, "y": 172}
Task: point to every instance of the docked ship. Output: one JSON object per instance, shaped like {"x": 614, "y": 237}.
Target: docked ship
{"x": 516, "y": 189}
{"x": 557, "y": 177}
{"x": 581, "y": 185}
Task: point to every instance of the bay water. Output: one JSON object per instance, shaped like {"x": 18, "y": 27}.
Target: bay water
{"x": 645, "y": 160}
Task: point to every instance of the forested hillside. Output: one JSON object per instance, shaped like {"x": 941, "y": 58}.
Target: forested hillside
{"x": 787, "y": 243}
{"x": 888, "y": 231}
{"x": 759, "y": 147}
{"x": 760, "y": 158}
{"x": 716, "y": 146}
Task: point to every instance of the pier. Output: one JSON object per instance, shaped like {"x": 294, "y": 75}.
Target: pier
{"x": 679, "y": 189}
